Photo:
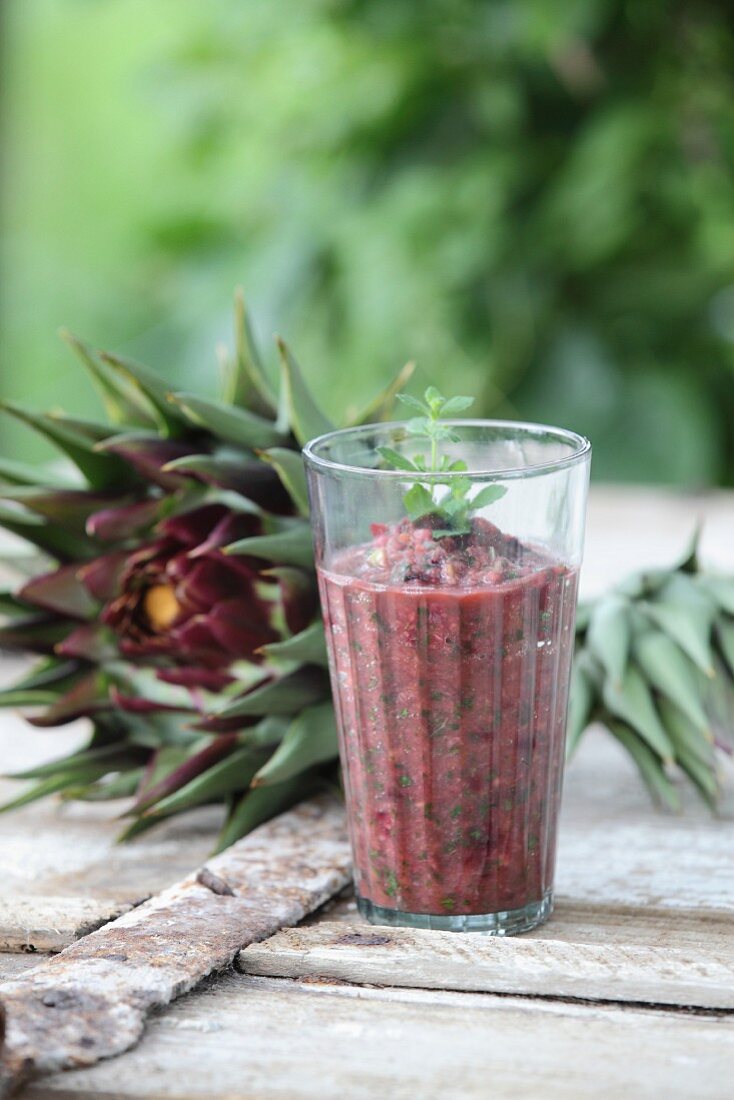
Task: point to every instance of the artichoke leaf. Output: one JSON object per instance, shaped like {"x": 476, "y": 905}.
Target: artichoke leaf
{"x": 102, "y": 471}
{"x": 308, "y": 647}
{"x": 686, "y": 614}
{"x": 311, "y": 739}
{"x": 582, "y": 700}
{"x": 233, "y": 773}
{"x": 261, "y": 803}
{"x": 670, "y": 671}
{"x": 648, "y": 765}
{"x": 124, "y": 404}
{"x": 154, "y": 389}
{"x": 609, "y": 634}
{"x": 284, "y": 695}
{"x": 304, "y": 416}
{"x": 228, "y": 422}
{"x": 382, "y": 405}
{"x": 248, "y": 385}
{"x": 632, "y": 701}
{"x": 292, "y": 545}
{"x": 289, "y": 466}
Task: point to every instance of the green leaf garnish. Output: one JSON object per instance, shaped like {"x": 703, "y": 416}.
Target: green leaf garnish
{"x": 455, "y": 506}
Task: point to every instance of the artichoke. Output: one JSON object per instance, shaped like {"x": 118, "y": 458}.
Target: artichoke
{"x": 654, "y": 663}
{"x": 174, "y": 601}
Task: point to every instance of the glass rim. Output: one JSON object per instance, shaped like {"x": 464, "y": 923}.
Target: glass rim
{"x": 581, "y": 450}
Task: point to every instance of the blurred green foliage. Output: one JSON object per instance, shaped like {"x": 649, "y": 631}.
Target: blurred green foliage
{"x": 533, "y": 199}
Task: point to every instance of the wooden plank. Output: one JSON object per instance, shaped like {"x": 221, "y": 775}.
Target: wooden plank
{"x": 62, "y": 872}
{"x": 616, "y": 850}
{"x": 702, "y": 976}
{"x": 90, "y": 1001}
{"x": 272, "y": 1039}
{"x": 13, "y": 964}
{"x": 50, "y": 923}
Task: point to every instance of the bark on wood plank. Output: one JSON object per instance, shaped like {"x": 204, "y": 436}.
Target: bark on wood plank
{"x": 51, "y": 923}
{"x": 90, "y": 1001}
{"x": 549, "y": 968}
{"x": 273, "y": 1039}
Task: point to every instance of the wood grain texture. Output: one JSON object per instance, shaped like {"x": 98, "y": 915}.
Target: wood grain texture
{"x": 61, "y": 871}
{"x": 90, "y": 1001}
{"x": 50, "y": 923}
{"x": 272, "y": 1039}
{"x": 702, "y": 976}
{"x": 13, "y": 964}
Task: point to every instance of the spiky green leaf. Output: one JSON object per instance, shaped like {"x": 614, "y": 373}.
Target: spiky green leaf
{"x": 632, "y": 701}
{"x": 291, "y": 546}
{"x": 289, "y": 466}
{"x": 304, "y": 416}
{"x": 283, "y": 695}
{"x": 648, "y": 765}
{"x": 124, "y": 403}
{"x": 308, "y": 647}
{"x": 102, "y": 471}
{"x": 382, "y": 405}
{"x": 248, "y": 385}
{"x": 227, "y": 422}
{"x": 311, "y": 739}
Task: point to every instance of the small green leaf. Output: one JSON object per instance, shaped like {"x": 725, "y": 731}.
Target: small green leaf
{"x": 434, "y": 399}
{"x": 456, "y": 405}
{"x": 394, "y": 458}
{"x": 419, "y": 502}
{"x": 413, "y": 402}
{"x": 311, "y": 739}
{"x": 488, "y": 495}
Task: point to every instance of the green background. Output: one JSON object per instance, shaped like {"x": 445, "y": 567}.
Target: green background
{"x": 534, "y": 200}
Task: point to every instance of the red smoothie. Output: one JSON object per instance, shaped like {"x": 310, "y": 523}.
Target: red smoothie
{"x": 449, "y": 660}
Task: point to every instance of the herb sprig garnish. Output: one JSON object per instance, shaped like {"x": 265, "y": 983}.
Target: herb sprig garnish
{"x": 455, "y": 506}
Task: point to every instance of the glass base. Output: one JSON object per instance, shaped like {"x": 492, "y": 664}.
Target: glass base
{"x": 508, "y": 922}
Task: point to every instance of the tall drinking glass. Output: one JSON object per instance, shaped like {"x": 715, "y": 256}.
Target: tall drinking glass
{"x": 450, "y": 639}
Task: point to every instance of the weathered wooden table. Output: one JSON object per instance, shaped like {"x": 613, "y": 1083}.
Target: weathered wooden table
{"x": 628, "y": 991}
